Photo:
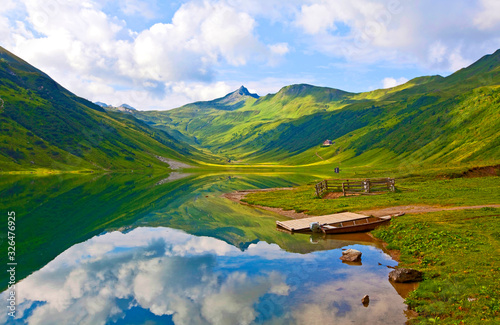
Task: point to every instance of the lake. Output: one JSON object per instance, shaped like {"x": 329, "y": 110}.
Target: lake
{"x": 145, "y": 249}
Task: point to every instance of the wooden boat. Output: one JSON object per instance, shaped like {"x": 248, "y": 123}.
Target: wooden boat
{"x": 358, "y": 225}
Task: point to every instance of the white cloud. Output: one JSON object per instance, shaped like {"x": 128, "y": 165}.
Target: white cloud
{"x": 340, "y": 303}
{"x": 93, "y": 53}
{"x": 316, "y": 18}
{"x": 199, "y": 37}
{"x": 7, "y": 5}
{"x": 488, "y": 17}
{"x": 5, "y": 33}
{"x": 99, "y": 51}
{"x": 80, "y": 21}
{"x": 392, "y": 82}
{"x": 136, "y": 7}
{"x": 203, "y": 280}
{"x": 162, "y": 270}
{"x": 437, "y": 52}
{"x": 279, "y": 49}
{"x": 8, "y": 29}
{"x": 402, "y": 31}
{"x": 457, "y": 61}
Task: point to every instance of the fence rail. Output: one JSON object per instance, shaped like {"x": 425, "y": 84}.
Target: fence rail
{"x": 355, "y": 186}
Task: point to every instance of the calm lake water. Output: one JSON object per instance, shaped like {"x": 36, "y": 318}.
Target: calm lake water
{"x": 138, "y": 249}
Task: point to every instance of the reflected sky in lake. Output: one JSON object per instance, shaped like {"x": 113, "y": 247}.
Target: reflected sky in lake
{"x": 166, "y": 276}
{"x": 136, "y": 249}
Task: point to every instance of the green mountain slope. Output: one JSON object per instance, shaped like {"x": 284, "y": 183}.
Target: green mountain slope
{"x": 427, "y": 120}
{"x": 45, "y": 126}
{"x": 234, "y": 133}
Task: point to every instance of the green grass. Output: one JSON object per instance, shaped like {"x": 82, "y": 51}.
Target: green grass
{"x": 429, "y": 120}
{"x": 44, "y": 126}
{"x": 458, "y": 251}
{"x": 414, "y": 191}
{"x": 459, "y": 254}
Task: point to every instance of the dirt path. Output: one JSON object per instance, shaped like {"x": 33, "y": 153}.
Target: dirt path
{"x": 319, "y": 156}
{"x": 420, "y": 209}
{"x": 407, "y": 209}
{"x": 173, "y": 164}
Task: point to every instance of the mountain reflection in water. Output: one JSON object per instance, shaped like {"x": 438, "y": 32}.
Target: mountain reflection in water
{"x": 168, "y": 276}
{"x": 139, "y": 249}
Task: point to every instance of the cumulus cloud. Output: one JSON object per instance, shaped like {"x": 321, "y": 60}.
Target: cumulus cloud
{"x": 392, "y": 82}
{"x": 100, "y": 49}
{"x": 488, "y": 18}
{"x": 85, "y": 47}
{"x": 197, "y": 39}
{"x": 164, "y": 271}
{"x": 280, "y": 48}
{"x": 339, "y": 303}
{"x": 369, "y": 31}
{"x": 203, "y": 280}
{"x": 142, "y": 8}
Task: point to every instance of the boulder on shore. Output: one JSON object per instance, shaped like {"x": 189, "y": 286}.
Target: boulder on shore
{"x": 365, "y": 300}
{"x": 405, "y": 275}
{"x": 351, "y": 255}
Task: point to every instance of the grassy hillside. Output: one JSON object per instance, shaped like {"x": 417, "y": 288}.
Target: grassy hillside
{"x": 432, "y": 120}
{"x": 426, "y": 120}
{"x": 44, "y": 126}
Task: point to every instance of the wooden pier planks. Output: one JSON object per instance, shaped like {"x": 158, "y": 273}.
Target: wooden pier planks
{"x": 298, "y": 225}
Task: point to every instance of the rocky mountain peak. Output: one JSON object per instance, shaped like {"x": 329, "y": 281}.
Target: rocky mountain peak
{"x": 243, "y": 91}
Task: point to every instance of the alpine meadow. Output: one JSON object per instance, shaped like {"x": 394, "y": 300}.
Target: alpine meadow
{"x": 428, "y": 120}
{"x": 223, "y": 162}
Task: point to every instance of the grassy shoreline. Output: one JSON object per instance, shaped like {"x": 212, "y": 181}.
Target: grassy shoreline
{"x": 458, "y": 251}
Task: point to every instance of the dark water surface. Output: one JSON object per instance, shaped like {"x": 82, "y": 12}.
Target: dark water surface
{"x": 138, "y": 249}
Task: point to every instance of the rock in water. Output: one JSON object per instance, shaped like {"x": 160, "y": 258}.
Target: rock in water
{"x": 365, "y": 300}
{"x": 351, "y": 255}
{"x": 405, "y": 275}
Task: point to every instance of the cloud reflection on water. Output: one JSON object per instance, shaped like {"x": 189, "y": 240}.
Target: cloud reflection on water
{"x": 202, "y": 280}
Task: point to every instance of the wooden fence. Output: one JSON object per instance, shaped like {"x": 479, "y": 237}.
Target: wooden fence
{"x": 355, "y": 186}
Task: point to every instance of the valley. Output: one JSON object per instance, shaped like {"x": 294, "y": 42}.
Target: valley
{"x": 428, "y": 120}
{"x": 431, "y": 121}
{"x": 147, "y": 175}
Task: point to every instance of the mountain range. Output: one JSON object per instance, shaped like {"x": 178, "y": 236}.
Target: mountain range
{"x": 428, "y": 120}
{"x": 44, "y": 126}
{"x": 122, "y": 107}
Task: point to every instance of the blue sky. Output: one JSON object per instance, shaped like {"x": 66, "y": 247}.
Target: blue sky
{"x": 162, "y": 54}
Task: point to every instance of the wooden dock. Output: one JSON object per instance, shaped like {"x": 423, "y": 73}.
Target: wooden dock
{"x": 300, "y": 225}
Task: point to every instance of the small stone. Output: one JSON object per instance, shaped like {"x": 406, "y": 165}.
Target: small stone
{"x": 405, "y": 275}
{"x": 351, "y": 255}
{"x": 365, "y": 300}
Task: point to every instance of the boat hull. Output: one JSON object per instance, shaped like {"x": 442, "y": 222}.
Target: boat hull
{"x": 354, "y": 228}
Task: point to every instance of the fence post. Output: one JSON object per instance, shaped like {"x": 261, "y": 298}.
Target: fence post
{"x": 366, "y": 185}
